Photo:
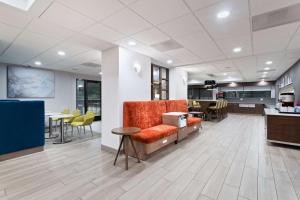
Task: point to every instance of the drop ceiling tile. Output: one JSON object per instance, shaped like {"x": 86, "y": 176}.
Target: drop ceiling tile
{"x": 181, "y": 26}
{"x": 184, "y": 56}
{"x": 273, "y": 39}
{"x": 7, "y": 35}
{"x": 228, "y": 44}
{"x": 27, "y": 46}
{"x": 201, "y": 45}
{"x": 295, "y": 43}
{"x": 157, "y": 11}
{"x": 225, "y": 66}
{"x": 89, "y": 42}
{"x": 39, "y": 7}
{"x": 66, "y": 17}
{"x": 198, "y": 4}
{"x": 236, "y": 24}
{"x": 126, "y": 22}
{"x": 151, "y": 36}
{"x": 127, "y": 2}
{"x": 276, "y": 58}
{"x": 96, "y": 9}
{"x": 49, "y": 29}
{"x": 8, "y": 32}
{"x": 259, "y": 6}
{"x": 103, "y": 32}
{"x": 13, "y": 16}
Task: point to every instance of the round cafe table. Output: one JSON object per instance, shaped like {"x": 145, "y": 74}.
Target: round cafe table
{"x": 126, "y": 134}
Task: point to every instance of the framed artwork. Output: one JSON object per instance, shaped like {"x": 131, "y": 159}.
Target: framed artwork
{"x": 27, "y": 82}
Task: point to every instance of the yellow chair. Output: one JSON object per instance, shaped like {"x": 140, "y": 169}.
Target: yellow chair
{"x": 196, "y": 106}
{"x": 65, "y": 111}
{"x": 68, "y": 121}
{"x": 82, "y": 121}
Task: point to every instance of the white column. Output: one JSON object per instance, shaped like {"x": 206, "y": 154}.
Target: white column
{"x": 110, "y": 97}
{"x": 178, "y": 84}
{"x": 126, "y": 77}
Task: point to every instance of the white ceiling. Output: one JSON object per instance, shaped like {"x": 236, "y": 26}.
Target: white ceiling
{"x": 84, "y": 28}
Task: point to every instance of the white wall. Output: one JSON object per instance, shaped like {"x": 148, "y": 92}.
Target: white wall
{"x": 65, "y": 89}
{"x": 120, "y": 82}
{"x": 178, "y": 84}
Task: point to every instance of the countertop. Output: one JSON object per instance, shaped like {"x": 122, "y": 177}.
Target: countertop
{"x": 273, "y": 111}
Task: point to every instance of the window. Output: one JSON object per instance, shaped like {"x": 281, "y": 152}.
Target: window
{"x": 88, "y": 97}
{"x": 159, "y": 83}
{"x": 199, "y": 93}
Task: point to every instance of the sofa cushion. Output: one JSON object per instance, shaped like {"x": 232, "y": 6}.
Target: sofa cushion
{"x": 143, "y": 114}
{"x": 193, "y": 120}
{"x": 177, "y": 106}
{"x": 154, "y": 133}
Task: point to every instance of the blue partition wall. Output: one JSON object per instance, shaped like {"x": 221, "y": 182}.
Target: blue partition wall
{"x": 21, "y": 125}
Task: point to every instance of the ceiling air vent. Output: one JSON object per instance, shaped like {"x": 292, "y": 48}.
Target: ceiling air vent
{"x": 91, "y": 64}
{"x": 167, "y": 46}
{"x": 276, "y": 18}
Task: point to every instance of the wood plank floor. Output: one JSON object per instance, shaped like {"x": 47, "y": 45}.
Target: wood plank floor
{"x": 229, "y": 160}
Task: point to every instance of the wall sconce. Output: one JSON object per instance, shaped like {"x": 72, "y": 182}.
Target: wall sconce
{"x": 137, "y": 68}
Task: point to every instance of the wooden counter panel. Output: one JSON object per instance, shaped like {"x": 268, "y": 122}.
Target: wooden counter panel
{"x": 235, "y": 108}
{"x": 283, "y": 128}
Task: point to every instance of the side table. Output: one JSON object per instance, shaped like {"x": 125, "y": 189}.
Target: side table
{"x": 126, "y": 134}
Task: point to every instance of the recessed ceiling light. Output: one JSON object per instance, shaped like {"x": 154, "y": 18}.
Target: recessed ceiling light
{"x": 265, "y": 72}
{"x": 38, "y": 63}
{"x": 61, "y": 53}
{"x": 269, "y": 62}
{"x": 101, "y": 73}
{"x": 23, "y": 5}
{"x": 223, "y": 14}
{"x": 225, "y": 74}
{"x": 237, "y": 49}
{"x": 131, "y": 43}
{"x": 169, "y": 61}
{"x": 267, "y": 68}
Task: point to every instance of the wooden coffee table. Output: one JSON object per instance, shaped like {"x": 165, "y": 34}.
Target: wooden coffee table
{"x": 126, "y": 134}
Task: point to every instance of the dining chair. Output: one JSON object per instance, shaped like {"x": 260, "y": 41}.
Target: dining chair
{"x": 65, "y": 111}
{"x": 83, "y": 121}
{"x": 68, "y": 121}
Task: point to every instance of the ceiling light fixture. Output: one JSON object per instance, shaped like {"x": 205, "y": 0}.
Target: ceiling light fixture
{"x": 265, "y": 72}
{"x": 169, "y": 61}
{"x": 61, "y": 53}
{"x": 24, "y": 5}
{"x": 237, "y": 49}
{"x": 223, "y": 14}
{"x": 100, "y": 73}
{"x": 267, "y": 68}
{"x": 225, "y": 74}
{"x": 38, "y": 63}
{"x": 131, "y": 43}
{"x": 269, "y": 62}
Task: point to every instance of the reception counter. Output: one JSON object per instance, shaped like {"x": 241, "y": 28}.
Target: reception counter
{"x": 282, "y": 127}
{"x": 241, "y": 107}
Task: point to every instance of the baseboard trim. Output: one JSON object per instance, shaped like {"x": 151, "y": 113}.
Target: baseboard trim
{"x": 108, "y": 149}
{"x": 21, "y": 153}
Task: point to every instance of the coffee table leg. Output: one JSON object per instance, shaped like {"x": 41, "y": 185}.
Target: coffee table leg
{"x": 126, "y": 153}
{"x": 119, "y": 150}
{"x": 137, "y": 156}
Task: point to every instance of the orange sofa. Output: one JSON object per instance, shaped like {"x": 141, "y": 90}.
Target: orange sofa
{"x": 154, "y": 135}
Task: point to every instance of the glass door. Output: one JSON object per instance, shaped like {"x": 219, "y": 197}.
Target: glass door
{"x": 88, "y": 97}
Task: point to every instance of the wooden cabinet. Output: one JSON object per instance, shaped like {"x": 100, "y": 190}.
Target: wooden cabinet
{"x": 246, "y": 108}
{"x": 283, "y": 129}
